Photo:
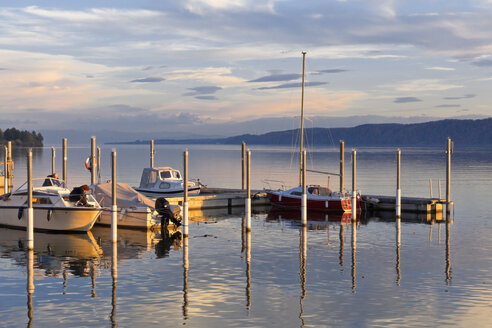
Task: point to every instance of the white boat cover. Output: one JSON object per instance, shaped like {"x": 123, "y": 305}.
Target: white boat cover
{"x": 127, "y": 197}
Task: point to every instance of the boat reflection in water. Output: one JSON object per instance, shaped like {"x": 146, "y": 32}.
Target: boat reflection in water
{"x": 316, "y": 220}
{"x": 56, "y": 253}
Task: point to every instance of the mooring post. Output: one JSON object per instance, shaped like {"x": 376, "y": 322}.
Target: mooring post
{"x": 398, "y": 187}
{"x": 53, "y": 156}
{"x": 304, "y": 195}
{"x": 114, "y": 207}
{"x": 342, "y": 164}
{"x": 430, "y": 188}
{"x": 152, "y": 152}
{"x": 185, "y": 194}
{"x": 248, "y": 191}
{"x": 98, "y": 164}
{"x": 10, "y": 166}
{"x": 186, "y": 265}
{"x": 64, "y": 150}
{"x": 30, "y": 212}
{"x": 243, "y": 167}
{"x": 93, "y": 160}
{"x": 354, "y": 189}
{"x": 439, "y": 188}
{"x": 448, "y": 176}
{"x": 5, "y": 170}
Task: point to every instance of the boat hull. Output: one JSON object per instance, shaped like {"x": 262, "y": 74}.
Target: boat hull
{"x": 80, "y": 219}
{"x": 342, "y": 204}
{"x": 154, "y": 194}
{"x": 129, "y": 218}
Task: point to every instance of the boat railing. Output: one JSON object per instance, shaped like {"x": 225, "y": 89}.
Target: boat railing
{"x": 270, "y": 184}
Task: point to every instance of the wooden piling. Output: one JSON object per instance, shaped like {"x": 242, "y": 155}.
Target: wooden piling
{"x": 114, "y": 207}
{"x": 430, "y": 188}
{"x": 93, "y": 160}
{"x": 354, "y": 189}
{"x": 398, "y": 187}
{"x": 30, "y": 212}
{"x": 53, "y": 156}
{"x": 10, "y": 166}
{"x": 248, "y": 191}
{"x": 152, "y": 152}
{"x": 243, "y": 162}
{"x": 448, "y": 176}
{"x": 5, "y": 170}
{"x": 304, "y": 195}
{"x": 185, "y": 194}
{"x": 64, "y": 150}
{"x": 98, "y": 164}
{"x": 342, "y": 165}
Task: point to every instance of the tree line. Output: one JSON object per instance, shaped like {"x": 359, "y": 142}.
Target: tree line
{"x": 21, "y": 138}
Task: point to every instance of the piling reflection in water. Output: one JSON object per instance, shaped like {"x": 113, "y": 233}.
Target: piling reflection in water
{"x": 341, "y": 237}
{"x": 246, "y": 249}
{"x": 185, "y": 277}
{"x": 448, "y": 250}
{"x": 354, "y": 246}
{"x": 30, "y": 285}
{"x": 114, "y": 276}
{"x": 302, "y": 269}
{"x": 398, "y": 244}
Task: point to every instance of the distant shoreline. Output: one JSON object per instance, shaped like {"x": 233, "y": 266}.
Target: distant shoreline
{"x": 463, "y": 132}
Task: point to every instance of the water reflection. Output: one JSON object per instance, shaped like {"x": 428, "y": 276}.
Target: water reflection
{"x": 30, "y": 285}
{"x": 342, "y": 242}
{"x": 55, "y": 253}
{"x": 186, "y": 265}
{"x": 448, "y": 250}
{"x": 398, "y": 244}
{"x": 246, "y": 248}
{"x": 302, "y": 269}
{"x": 114, "y": 277}
{"x": 354, "y": 247}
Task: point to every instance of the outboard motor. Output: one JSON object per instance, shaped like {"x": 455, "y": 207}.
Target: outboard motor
{"x": 163, "y": 209}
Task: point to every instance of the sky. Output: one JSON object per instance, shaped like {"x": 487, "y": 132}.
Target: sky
{"x": 214, "y": 67}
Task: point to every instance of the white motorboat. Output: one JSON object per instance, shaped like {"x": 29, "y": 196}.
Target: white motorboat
{"x": 162, "y": 181}
{"x": 134, "y": 209}
{"x": 53, "y": 210}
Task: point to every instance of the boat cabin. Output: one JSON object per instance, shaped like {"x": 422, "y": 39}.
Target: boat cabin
{"x": 159, "y": 178}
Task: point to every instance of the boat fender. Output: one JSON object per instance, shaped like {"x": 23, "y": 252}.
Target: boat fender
{"x": 20, "y": 213}
{"x": 49, "y": 215}
{"x": 280, "y": 197}
{"x": 88, "y": 163}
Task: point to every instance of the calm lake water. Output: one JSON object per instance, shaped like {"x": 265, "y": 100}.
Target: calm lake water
{"x": 334, "y": 273}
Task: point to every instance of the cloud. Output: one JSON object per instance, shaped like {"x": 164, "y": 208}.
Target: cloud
{"x": 448, "y": 106}
{"x": 425, "y": 85}
{"x": 203, "y": 90}
{"x": 467, "y": 96}
{"x": 401, "y": 100}
{"x": 483, "y": 63}
{"x": 293, "y": 85}
{"x": 277, "y": 78}
{"x": 148, "y": 79}
{"x": 206, "y": 97}
{"x": 2, "y": 69}
{"x": 440, "y": 68}
{"x": 330, "y": 71}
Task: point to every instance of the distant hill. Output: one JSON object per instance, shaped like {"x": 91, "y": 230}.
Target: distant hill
{"x": 462, "y": 132}
{"x": 21, "y": 138}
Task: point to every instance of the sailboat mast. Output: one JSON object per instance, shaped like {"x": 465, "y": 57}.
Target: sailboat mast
{"x": 302, "y": 117}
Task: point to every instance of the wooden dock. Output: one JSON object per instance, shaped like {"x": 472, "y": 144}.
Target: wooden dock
{"x": 408, "y": 204}
{"x": 210, "y": 198}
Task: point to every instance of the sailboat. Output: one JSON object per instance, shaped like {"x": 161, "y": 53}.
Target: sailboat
{"x": 318, "y": 198}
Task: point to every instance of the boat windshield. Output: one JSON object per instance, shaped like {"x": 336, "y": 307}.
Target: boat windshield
{"x": 42, "y": 183}
{"x": 165, "y": 174}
